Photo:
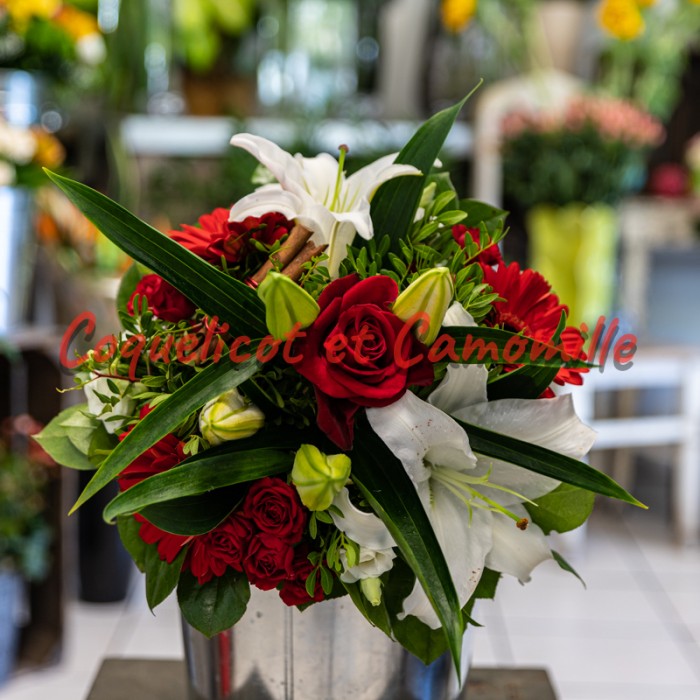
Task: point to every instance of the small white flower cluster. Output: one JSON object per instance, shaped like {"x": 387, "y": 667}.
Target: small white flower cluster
{"x": 17, "y": 147}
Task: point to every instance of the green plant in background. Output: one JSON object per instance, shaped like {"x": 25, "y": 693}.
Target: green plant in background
{"x": 593, "y": 152}
{"x": 25, "y": 535}
{"x": 201, "y": 25}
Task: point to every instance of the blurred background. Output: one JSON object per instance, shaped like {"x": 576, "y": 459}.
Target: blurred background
{"x": 586, "y": 128}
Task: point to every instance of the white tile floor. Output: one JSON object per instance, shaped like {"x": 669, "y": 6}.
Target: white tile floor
{"x": 634, "y": 633}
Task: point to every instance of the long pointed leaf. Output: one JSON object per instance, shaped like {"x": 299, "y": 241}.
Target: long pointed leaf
{"x": 543, "y": 461}
{"x": 199, "y": 476}
{"x": 210, "y": 289}
{"x": 393, "y": 497}
{"x": 166, "y": 416}
{"x": 395, "y": 203}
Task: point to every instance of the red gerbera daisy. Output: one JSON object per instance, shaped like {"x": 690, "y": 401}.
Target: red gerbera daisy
{"x": 488, "y": 256}
{"x": 217, "y": 237}
{"x": 532, "y": 308}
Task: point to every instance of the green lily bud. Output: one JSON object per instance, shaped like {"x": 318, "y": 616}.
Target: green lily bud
{"x": 230, "y": 417}
{"x": 286, "y": 305}
{"x": 372, "y": 590}
{"x": 318, "y": 477}
{"x": 430, "y": 294}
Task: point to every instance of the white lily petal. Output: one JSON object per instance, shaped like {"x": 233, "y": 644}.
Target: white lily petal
{"x": 462, "y": 386}
{"x": 464, "y": 543}
{"x": 416, "y": 432}
{"x": 551, "y": 423}
{"x": 267, "y": 199}
{"x": 319, "y": 175}
{"x": 342, "y": 234}
{"x": 457, "y": 315}
{"x": 286, "y": 170}
{"x": 364, "y": 528}
{"x": 367, "y": 180}
{"x": 360, "y": 220}
{"x": 517, "y": 552}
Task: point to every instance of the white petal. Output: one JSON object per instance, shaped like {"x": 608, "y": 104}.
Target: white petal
{"x": 464, "y": 543}
{"x": 414, "y": 430}
{"x": 265, "y": 200}
{"x": 364, "y": 528}
{"x": 517, "y": 552}
{"x": 462, "y": 386}
{"x": 366, "y": 181}
{"x": 282, "y": 165}
{"x": 457, "y": 315}
{"x": 319, "y": 176}
{"x": 372, "y": 564}
{"x": 341, "y": 237}
{"x": 360, "y": 220}
{"x": 551, "y": 423}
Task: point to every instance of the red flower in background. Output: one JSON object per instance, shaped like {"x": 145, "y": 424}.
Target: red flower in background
{"x": 364, "y": 371}
{"x": 532, "y": 308}
{"x": 488, "y": 256}
{"x": 217, "y": 237}
{"x": 164, "y": 300}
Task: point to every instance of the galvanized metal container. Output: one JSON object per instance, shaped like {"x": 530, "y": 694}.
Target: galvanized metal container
{"x": 327, "y": 652}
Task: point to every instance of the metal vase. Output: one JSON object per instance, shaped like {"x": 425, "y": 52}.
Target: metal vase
{"x": 327, "y": 652}
{"x": 17, "y": 248}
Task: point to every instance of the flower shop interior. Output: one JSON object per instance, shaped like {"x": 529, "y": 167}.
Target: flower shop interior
{"x": 582, "y": 122}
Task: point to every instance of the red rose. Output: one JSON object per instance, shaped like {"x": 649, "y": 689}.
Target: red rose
{"x": 211, "y": 554}
{"x": 275, "y": 509}
{"x": 166, "y": 453}
{"x": 164, "y": 300}
{"x": 217, "y": 237}
{"x": 293, "y": 592}
{"x": 355, "y": 315}
{"x": 169, "y": 545}
{"x": 488, "y": 256}
{"x": 269, "y": 561}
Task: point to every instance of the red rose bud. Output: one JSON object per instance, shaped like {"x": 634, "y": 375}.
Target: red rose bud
{"x": 163, "y": 299}
{"x": 293, "y": 592}
{"x": 269, "y": 561}
{"x": 274, "y": 508}
{"x": 225, "y": 546}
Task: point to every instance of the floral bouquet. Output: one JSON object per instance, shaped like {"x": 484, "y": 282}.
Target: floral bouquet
{"x": 24, "y": 151}
{"x": 335, "y": 388}
{"x": 52, "y": 36}
{"x": 593, "y": 151}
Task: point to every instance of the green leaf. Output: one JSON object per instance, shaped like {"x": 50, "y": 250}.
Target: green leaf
{"x": 199, "y": 475}
{"x": 494, "y": 219}
{"x": 566, "y": 566}
{"x": 543, "y": 461}
{"x": 477, "y": 344}
{"x": 128, "y": 528}
{"x": 215, "y": 606}
{"x": 161, "y": 577}
{"x": 211, "y": 290}
{"x": 55, "y": 439}
{"x": 395, "y": 203}
{"x": 391, "y": 494}
{"x": 166, "y": 416}
{"x": 561, "y": 510}
{"x": 127, "y": 286}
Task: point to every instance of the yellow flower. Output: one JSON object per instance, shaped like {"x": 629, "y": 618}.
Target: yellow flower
{"x": 22, "y": 11}
{"x": 456, "y": 14}
{"x": 646, "y": 3}
{"x": 76, "y": 23}
{"x": 621, "y": 18}
{"x": 49, "y": 151}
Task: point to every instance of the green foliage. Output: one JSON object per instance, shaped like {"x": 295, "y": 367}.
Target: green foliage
{"x": 561, "y": 510}
{"x": 214, "y": 606}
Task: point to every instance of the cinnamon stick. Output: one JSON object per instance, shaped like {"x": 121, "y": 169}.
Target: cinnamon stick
{"x": 296, "y": 267}
{"x": 297, "y": 239}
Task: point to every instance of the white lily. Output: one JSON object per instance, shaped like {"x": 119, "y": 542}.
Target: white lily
{"x": 471, "y": 500}
{"x": 316, "y": 193}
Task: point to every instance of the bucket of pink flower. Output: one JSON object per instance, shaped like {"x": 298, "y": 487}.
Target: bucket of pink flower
{"x": 331, "y": 427}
